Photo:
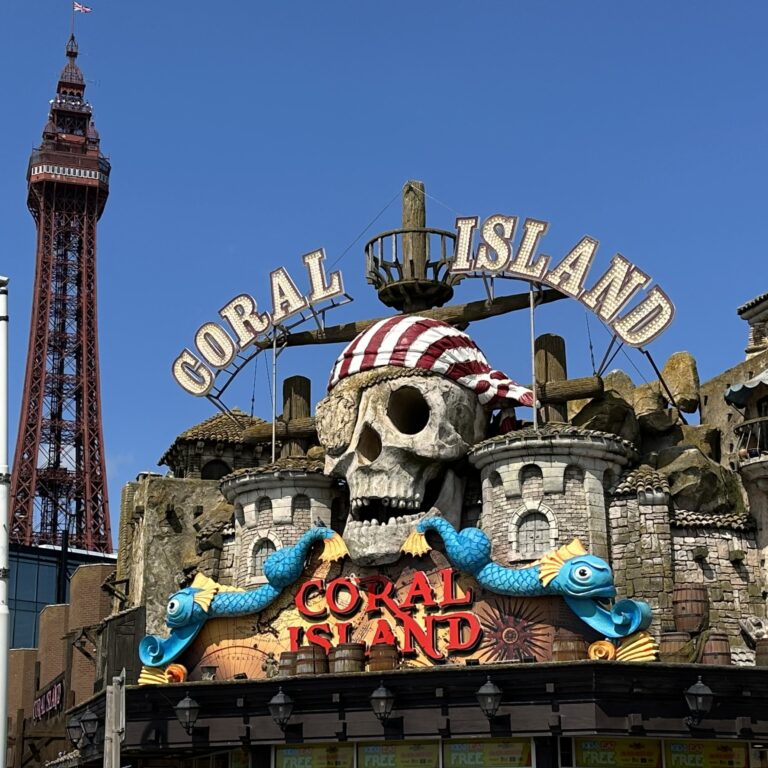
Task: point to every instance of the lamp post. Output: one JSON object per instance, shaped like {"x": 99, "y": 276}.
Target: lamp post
{"x": 382, "y": 701}
{"x": 281, "y": 708}
{"x": 187, "y": 711}
{"x": 5, "y": 482}
{"x": 489, "y": 698}
{"x": 699, "y": 698}
{"x": 74, "y": 730}
{"x": 82, "y": 730}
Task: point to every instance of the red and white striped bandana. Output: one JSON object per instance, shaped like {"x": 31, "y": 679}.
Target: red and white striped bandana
{"x": 419, "y": 342}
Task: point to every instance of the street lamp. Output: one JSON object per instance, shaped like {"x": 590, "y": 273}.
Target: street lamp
{"x": 699, "y": 698}
{"x": 187, "y": 711}
{"x": 489, "y": 698}
{"x": 382, "y": 701}
{"x": 89, "y": 722}
{"x": 281, "y": 708}
{"x": 74, "y": 730}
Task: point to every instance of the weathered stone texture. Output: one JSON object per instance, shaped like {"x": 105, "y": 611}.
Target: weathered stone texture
{"x": 609, "y": 413}
{"x": 705, "y": 556}
{"x": 640, "y": 554}
{"x": 682, "y": 377}
{"x": 162, "y": 521}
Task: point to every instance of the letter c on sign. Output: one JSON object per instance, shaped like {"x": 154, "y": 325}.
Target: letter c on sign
{"x": 301, "y": 599}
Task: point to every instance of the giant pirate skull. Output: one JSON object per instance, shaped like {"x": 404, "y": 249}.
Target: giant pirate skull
{"x": 407, "y": 398}
{"x": 394, "y": 452}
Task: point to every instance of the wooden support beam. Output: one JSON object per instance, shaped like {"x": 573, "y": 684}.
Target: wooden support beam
{"x": 297, "y": 393}
{"x": 550, "y": 366}
{"x": 414, "y": 217}
{"x": 304, "y": 428}
{"x": 458, "y": 315}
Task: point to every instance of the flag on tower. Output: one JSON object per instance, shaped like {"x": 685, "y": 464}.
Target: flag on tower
{"x": 81, "y": 8}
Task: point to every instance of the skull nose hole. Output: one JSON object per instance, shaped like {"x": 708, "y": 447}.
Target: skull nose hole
{"x": 408, "y": 410}
{"x": 369, "y": 445}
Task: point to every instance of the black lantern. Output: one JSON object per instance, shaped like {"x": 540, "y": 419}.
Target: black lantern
{"x": 382, "y": 701}
{"x": 489, "y": 698}
{"x": 187, "y": 711}
{"x": 74, "y": 730}
{"x": 89, "y": 723}
{"x": 699, "y": 698}
{"x": 281, "y": 708}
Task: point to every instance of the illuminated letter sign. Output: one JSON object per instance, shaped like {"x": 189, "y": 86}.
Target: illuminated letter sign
{"x": 607, "y": 297}
{"x": 217, "y": 344}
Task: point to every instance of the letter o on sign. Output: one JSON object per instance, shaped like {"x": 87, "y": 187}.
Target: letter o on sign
{"x": 343, "y": 597}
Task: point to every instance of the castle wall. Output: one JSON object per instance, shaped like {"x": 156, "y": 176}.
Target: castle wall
{"x": 165, "y": 518}
{"x": 727, "y": 562}
{"x": 641, "y": 542}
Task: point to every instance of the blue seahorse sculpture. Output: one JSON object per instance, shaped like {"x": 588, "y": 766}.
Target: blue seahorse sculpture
{"x": 582, "y": 579}
{"x": 189, "y": 608}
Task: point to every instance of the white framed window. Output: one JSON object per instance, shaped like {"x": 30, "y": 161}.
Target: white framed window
{"x": 532, "y": 532}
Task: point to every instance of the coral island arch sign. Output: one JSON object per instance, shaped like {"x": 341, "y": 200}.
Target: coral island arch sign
{"x": 221, "y": 346}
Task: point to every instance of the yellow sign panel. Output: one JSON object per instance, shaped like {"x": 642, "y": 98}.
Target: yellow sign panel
{"x": 489, "y": 753}
{"x": 316, "y": 756}
{"x": 706, "y": 754}
{"x": 403, "y": 754}
{"x": 597, "y": 752}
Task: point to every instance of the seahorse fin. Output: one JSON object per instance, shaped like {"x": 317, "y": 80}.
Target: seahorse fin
{"x": 152, "y": 676}
{"x": 551, "y": 563}
{"x": 638, "y": 647}
{"x": 415, "y": 544}
{"x": 207, "y": 590}
{"x": 334, "y": 549}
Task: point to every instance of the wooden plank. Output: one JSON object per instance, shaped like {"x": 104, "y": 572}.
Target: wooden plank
{"x": 550, "y": 366}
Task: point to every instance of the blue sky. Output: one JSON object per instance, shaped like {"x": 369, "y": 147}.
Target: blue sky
{"x": 244, "y": 135}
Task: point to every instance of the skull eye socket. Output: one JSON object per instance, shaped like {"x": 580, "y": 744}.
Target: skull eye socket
{"x": 408, "y": 410}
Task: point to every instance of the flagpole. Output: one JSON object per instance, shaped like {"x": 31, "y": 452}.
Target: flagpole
{"x": 72, "y": 25}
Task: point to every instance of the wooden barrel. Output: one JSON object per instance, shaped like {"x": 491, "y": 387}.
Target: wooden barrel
{"x": 383, "y": 657}
{"x": 347, "y": 657}
{"x": 761, "y": 652}
{"x": 568, "y": 646}
{"x": 287, "y": 666}
{"x": 690, "y": 607}
{"x": 717, "y": 649}
{"x": 311, "y": 660}
{"x": 671, "y": 643}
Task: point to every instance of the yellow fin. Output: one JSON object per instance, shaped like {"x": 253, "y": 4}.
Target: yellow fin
{"x": 333, "y": 549}
{"x": 553, "y": 561}
{"x": 638, "y": 647}
{"x": 152, "y": 676}
{"x": 415, "y": 544}
{"x": 208, "y": 590}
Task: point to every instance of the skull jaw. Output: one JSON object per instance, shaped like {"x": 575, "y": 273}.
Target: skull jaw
{"x": 373, "y": 543}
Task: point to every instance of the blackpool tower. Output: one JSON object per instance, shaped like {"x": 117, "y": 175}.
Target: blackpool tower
{"x": 59, "y": 484}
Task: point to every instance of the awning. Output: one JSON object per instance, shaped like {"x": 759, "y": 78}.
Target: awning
{"x": 738, "y": 394}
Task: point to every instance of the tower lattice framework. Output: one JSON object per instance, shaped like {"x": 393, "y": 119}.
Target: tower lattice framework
{"x": 58, "y": 482}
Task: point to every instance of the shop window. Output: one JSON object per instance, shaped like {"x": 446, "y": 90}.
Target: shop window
{"x": 533, "y": 535}
{"x": 262, "y": 549}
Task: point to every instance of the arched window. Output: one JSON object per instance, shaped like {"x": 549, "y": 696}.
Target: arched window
{"x": 265, "y": 504}
{"x": 262, "y": 549}
{"x": 214, "y": 470}
{"x": 300, "y": 504}
{"x": 533, "y": 535}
